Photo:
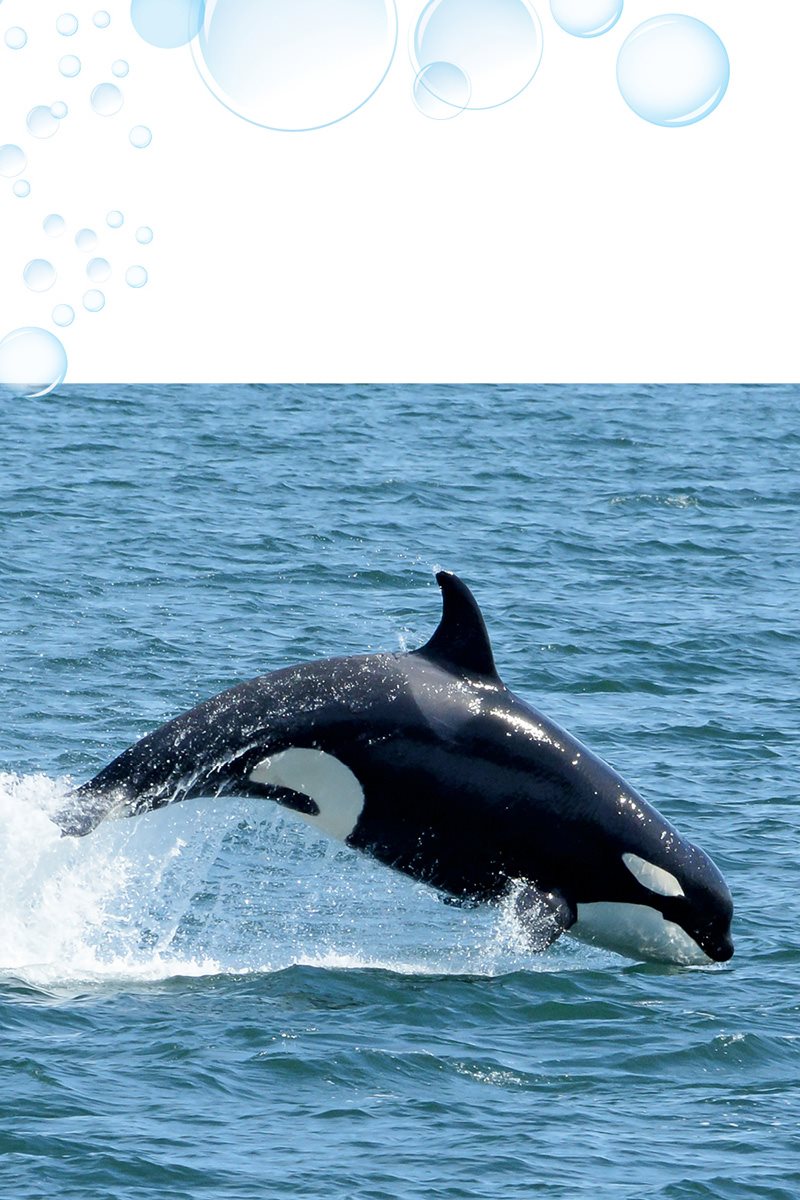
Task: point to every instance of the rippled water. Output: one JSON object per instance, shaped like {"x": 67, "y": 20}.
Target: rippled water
{"x": 209, "y": 1001}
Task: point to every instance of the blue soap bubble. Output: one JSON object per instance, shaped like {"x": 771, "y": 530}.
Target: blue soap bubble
{"x": 98, "y": 269}
{"x": 93, "y": 300}
{"x": 70, "y": 66}
{"x": 140, "y": 137}
{"x": 86, "y": 240}
{"x": 144, "y": 234}
{"x": 136, "y": 277}
{"x": 115, "y": 219}
{"x": 41, "y": 122}
{"x": 67, "y": 24}
{"x": 53, "y": 225}
{"x": 672, "y": 70}
{"x": 59, "y": 110}
{"x": 16, "y": 38}
{"x": 586, "y": 18}
{"x": 119, "y": 68}
{"x": 63, "y": 315}
{"x": 496, "y": 44}
{"x": 22, "y": 188}
{"x": 39, "y": 275}
{"x": 441, "y": 91}
{"x": 167, "y": 23}
{"x": 102, "y": 19}
{"x": 12, "y": 160}
{"x": 106, "y": 99}
{"x": 32, "y": 362}
{"x": 291, "y": 66}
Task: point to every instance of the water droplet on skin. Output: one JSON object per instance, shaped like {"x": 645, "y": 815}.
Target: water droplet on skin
{"x": 59, "y": 110}
{"x": 32, "y": 362}
{"x": 586, "y": 18}
{"x": 41, "y": 122}
{"x": 102, "y": 19}
{"x": 67, "y": 24}
{"x": 22, "y": 188}
{"x": 86, "y": 240}
{"x": 140, "y": 137}
{"x": 115, "y": 219}
{"x": 136, "y": 277}
{"x": 120, "y": 68}
{"x": 433, "y": 84}
{"x": 12, "y": 160}
{"x": 144, "y": 234}
{"x": 98, "y": 270}
{"x": 295, "y": 67}
{"x": 672, "y": 70}
{"x": 106, "y": 99}
{"x": 167, "y": 25}
{"x": 53, "y": 225}
{"x": 16, "y": 38}
{"x": 63, "y": 315}
{"x": 39, "y": 275}
{"x": 70, "y": 66}
{"x": 93, "y": 300}
{"x": 496, "y": 44}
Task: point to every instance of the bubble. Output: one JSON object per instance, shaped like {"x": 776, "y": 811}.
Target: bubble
{"x": 438, "y": 80}
{"x": 496, "y": 44}
{"x": 144, "y": 234}
{"x": 167, "y": 23}
{"x": 22, "y": 188}
{"x": 59, "y": 110}
{"x": 294, "y": 66}
{"x": 119, "y": 68}
{"x": 86, "y": 240}
{"x": 102, "y": 19}
{"x": 63, "y": 315}
{"x": 136, "y": 277}
{"x": 12, "y": 160}
{"x": 586, "y": 18}
{"x": 67, "y": 24}
{"x": 115, "y": 219}
{"x": 93, "y": 300}
{"x": 41, "y": 122}
{"x": 106, "y": 99}
{"x": 70, "y": 66}
{"x": 39, "y": 275}
{"x": 98, "y": 269}
{"x": 32, "y": 362}
{"x": 140, "y": 137}
{"x": 53, "y": 225}
{"x": 16, "y": 38}
{"x": 672, "y": 70}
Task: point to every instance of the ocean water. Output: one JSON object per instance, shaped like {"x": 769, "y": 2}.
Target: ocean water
{"x": 210, "y": 1001}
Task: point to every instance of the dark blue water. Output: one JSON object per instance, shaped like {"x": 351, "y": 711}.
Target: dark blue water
{"x": 210, "y": 1001}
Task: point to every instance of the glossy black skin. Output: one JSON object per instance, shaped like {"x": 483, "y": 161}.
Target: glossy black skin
{"x": 466, "y": 786}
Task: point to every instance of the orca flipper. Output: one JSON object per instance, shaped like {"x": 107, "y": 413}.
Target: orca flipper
{"x": 544, "y": 916}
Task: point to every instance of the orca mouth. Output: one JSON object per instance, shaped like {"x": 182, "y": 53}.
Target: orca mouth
{"x": 720, "y": 950}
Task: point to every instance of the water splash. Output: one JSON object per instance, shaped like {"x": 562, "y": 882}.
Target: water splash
{"x": 295, "y": 67}
{"x": 32, "y": 363}
{"x": 673, "y": 70}
{"x": 586, "y": 18}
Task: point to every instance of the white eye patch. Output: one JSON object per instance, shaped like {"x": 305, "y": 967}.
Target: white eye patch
{"x": 654, "y": 878}
{"x": 329, "y": 783}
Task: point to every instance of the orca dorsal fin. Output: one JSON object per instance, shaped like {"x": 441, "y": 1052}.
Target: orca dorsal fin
{"x": 460, "y": 641}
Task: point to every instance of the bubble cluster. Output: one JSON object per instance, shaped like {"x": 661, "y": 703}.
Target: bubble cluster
{"x": 140, "y": 137}
{"x": 39, "y": 275}
{"x": 672, "y": 70}
{"x": 53, "y": 225}
{"x": 586, "y": 18}
{"x": 106, "y": 99}
{"x": 495, "y": 44}
{"x": 32, "y": 362}
{"x": 167, "y": 25}
{"x": 13, "y": 160}
{"x": 295, "y": 66}
{"x": 136, "y": 277}
{"x": 69, "y": 66}
{"x": 63, "y": 315}
{"x": 67, "y": 24}
{"x": 93, "y": 300}
{"x": 16, "y": 38}
{"x": 437, "y": 80}
{"x": 41, "y": 122}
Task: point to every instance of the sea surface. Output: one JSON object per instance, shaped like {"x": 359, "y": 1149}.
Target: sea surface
{"x": 210, "y": 1001}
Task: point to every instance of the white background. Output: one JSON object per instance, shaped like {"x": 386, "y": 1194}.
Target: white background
{"x": 559, "y": 237}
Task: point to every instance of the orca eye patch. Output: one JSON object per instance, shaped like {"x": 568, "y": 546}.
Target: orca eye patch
{"x": 654, "y": 878}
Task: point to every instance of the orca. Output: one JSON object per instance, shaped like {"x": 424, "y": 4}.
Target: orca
{"x": 426, "y": 761}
